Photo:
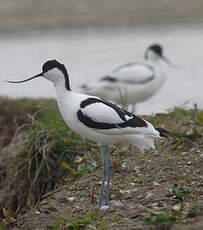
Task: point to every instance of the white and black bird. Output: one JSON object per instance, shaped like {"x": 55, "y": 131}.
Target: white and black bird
{"x": 132, "y": 82}
{"x": 97, "y": 119}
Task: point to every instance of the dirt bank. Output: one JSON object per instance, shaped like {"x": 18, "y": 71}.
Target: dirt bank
{"x": 49, "y": 177}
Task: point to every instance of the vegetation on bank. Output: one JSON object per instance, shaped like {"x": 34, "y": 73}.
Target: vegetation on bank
{"x": 47, "y": 149}
{"x": 46, "y": 169}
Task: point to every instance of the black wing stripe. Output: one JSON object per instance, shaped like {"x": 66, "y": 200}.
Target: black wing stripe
{"x": 134, "y": 122}
{"x": 109, "y": 78}
{"x": 138, "y": 82}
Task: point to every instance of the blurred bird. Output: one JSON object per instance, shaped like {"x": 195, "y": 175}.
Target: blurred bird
{"x": 97, "y": 120}
{"x": 132, "y": 82}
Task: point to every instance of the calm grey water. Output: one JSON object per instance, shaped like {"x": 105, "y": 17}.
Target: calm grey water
{"x": 89, "y": 54}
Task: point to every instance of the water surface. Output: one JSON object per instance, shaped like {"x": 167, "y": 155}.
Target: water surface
{"x": 88, "y": 54}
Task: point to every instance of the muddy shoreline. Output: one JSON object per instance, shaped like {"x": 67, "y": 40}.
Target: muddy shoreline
{"x": 35, "y": 14}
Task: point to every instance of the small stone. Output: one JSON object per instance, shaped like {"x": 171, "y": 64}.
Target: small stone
{"x": 71, "y": 198}
{"x": 155, "y": 205}
{"x": 104, "y": 207}
{"x": 78, "y": 159}
{"x": 128, "y": 191}
{"x": 137, "y": 168}
{"x": 37, "y": 212}
{"x": 148, "y": 195}
{"x": 133, "y": 184}
{"x": 115, "y": 203}
{"x": 140, "y": 196}
{"x": 155, "y": 183}
{"x": 176, "y": 207}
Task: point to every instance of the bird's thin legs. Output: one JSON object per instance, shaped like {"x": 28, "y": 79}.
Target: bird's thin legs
{"x": 133, "y": 108}
{"x": 109, "y": 173}
{"x": 103, "y": 175}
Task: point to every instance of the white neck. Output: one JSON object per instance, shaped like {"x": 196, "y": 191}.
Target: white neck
{"x": 61, "y": 90}
{"x": 153, "y": 57}
{"x": 158, "y": 65}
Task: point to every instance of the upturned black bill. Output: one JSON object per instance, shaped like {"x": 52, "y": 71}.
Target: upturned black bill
{"x": 169, "y": 62}
{"x": 38, "y": 75}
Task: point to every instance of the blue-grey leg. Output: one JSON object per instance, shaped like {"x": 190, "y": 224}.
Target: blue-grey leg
{"x": 103, "y": 175}
{"x": 133, "y": 108}
{"x": 109, "y": 173}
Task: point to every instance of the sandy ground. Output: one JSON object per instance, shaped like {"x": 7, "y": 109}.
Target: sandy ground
{"x": 15, "y": 15}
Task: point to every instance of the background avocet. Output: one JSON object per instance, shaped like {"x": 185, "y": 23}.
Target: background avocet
{"x": 132, "y": 82}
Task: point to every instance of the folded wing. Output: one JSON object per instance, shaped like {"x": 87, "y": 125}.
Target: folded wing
{"x": 134, "y": 73}
{"x": 105, "y": 117}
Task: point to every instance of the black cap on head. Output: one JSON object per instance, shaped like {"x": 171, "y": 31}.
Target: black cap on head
{"x": 51, "y": 64}
{"x": 157, "y": 49}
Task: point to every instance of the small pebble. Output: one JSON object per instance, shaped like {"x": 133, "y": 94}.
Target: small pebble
{"x": 148, "y": 195}
{"x": 137, "y": 168}
{"x": 155, "y": 205}
{"x": 104, "y": 207}
{"x": 71, "y": 198}
{"x": 155, "y": 183}
{"x": 176, "y": 207}
{"x": 123, "y": 191}
{"x": 115, "y": 203}
{"x": 133, "y": 184}
{"x": 37, "y": 212}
